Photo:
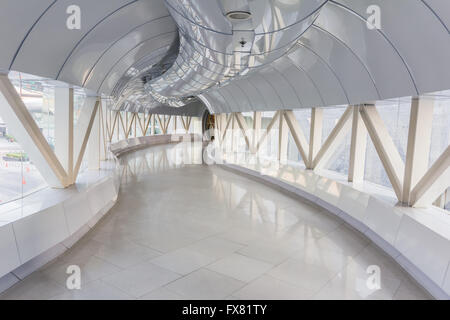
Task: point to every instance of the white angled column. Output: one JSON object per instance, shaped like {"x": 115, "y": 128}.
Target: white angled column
{"x": 315, "y": 135}
{"x": 21, "y": 123}
{"x": 83, "y": 123}
{"x": 153, "y": 131}
{"x": 94, "y": 145}
{"x": 419, "y": 141}
{"x": 256, "y": 130}
{"x": 283, "y": 139}
{"x": 357, "y": 148}
{"x": 64, "y": 128}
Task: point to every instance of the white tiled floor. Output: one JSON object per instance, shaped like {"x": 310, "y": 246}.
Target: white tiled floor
{"x": 200, "y": 232}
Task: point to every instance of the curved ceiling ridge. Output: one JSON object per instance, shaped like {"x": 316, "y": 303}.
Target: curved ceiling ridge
{"x": 276, "y": 54}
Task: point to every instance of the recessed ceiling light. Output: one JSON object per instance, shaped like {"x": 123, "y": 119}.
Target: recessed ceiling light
{"x": 236, "y": 16}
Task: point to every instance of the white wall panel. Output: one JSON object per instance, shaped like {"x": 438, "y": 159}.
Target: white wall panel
{"x": 383, "y": 219}
{"x": 39, "y": 232}
{"x": 8, "y": 250}
{"x": 424, "y": 248}
{"x": 77, "y": 212}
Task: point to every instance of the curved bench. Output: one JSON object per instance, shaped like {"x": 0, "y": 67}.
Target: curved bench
{"x": 418, "y": 239}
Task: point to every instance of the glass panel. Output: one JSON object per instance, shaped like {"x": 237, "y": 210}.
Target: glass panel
{"x": 269, "y": 149}
{"x": 79, "y": 98}
{"x": 395, "y": 115}
{"x": 374, "y": 170}
{"x": 440, "y": 134}
{"x": 340, "y": 159}
{"x": 18, "y": 176}
{"x": 303, "y": 117}
{"x": 331, "y": 117}
{"x": 293, "y": 153}
{"x": 248, "y": 116}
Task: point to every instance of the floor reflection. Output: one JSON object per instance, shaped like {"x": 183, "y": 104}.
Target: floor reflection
{"x": 186, "y": 230}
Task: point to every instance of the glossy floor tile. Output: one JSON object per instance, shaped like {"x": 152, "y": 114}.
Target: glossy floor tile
{"x": 191, "y": 231}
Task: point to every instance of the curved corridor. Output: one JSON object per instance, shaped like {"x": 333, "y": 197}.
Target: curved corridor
{"x": 192, "y": 231}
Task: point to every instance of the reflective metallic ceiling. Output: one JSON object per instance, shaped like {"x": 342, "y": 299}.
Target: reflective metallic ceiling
{"x": 288, "y": 54}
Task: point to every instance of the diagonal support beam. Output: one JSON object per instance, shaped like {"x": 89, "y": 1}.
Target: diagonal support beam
{"x": 385, "y": 147}
{"x": 298, "y": 135}
{"x": 64, "y": 134}
{"x": 267, "y": 131}
{"x": 183, "y": 123}
{"x": 141, "y": 123}
{"x": 85, "y": 140}
{"x": 226, "y": 127}
{"x": 103, "y": 138}
{"x": 113, "y": 127}
{"x": 167, "y": 122}
{"x": 419, "y": 141}
{"x": 153, "y": 128}
{"x": 337, "y": 135}
{"x": 150, "y": 116}
{"x": 244, "y": 129}
{"x": 315, "y": 135}
{"x": 83, "y": 124}
{"x": 357, "y": 148}
{"x": 283, "y": 136}
{"x": 433, "y": 183}
{"x": 130, "y": 125}
{"x": 256, "y": 129}
{"x": 161, "y": 125}
{"x": 25, "y": 129}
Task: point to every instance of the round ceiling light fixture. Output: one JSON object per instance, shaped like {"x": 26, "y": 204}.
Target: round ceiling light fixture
{"x": 237, "y": 16}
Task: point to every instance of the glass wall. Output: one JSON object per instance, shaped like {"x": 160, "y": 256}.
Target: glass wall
{"x": 340, "y": 160}
{"x": 18, "y": 176}
{"x": 395, "y": 114}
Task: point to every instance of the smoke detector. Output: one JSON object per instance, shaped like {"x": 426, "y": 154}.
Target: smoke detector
{"x": 238, "y": 16}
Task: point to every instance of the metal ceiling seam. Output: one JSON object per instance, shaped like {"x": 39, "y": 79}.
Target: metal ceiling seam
{"x": 117, "y": 40}
{"x": 257, "y": 89}
{"x": 28, "y": 33}
{"x": 243, "y": 92}
{"x": 226, "y": 101}
{"x": 297, "y": 22}
{"x": 193, "y": 22}
{"x": 273, "y": 88}
{"x": 225, "y": 89}
{"x": 354, "y": 54}
{"x": 329, "y": 67}
{"x": 385, "y": 37}
{"x": 90, "y": 30}
{"x": 436, "y": 15}
{"x": 284, "y": 47}
{"x": 290, "y": 84}
{"x": 201, "y": 66}
{"x": 139, "y": 60}
{"x": 146, "y": 40}
{"x": 101, "y": 84}
{"x": 300, "y": 68}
